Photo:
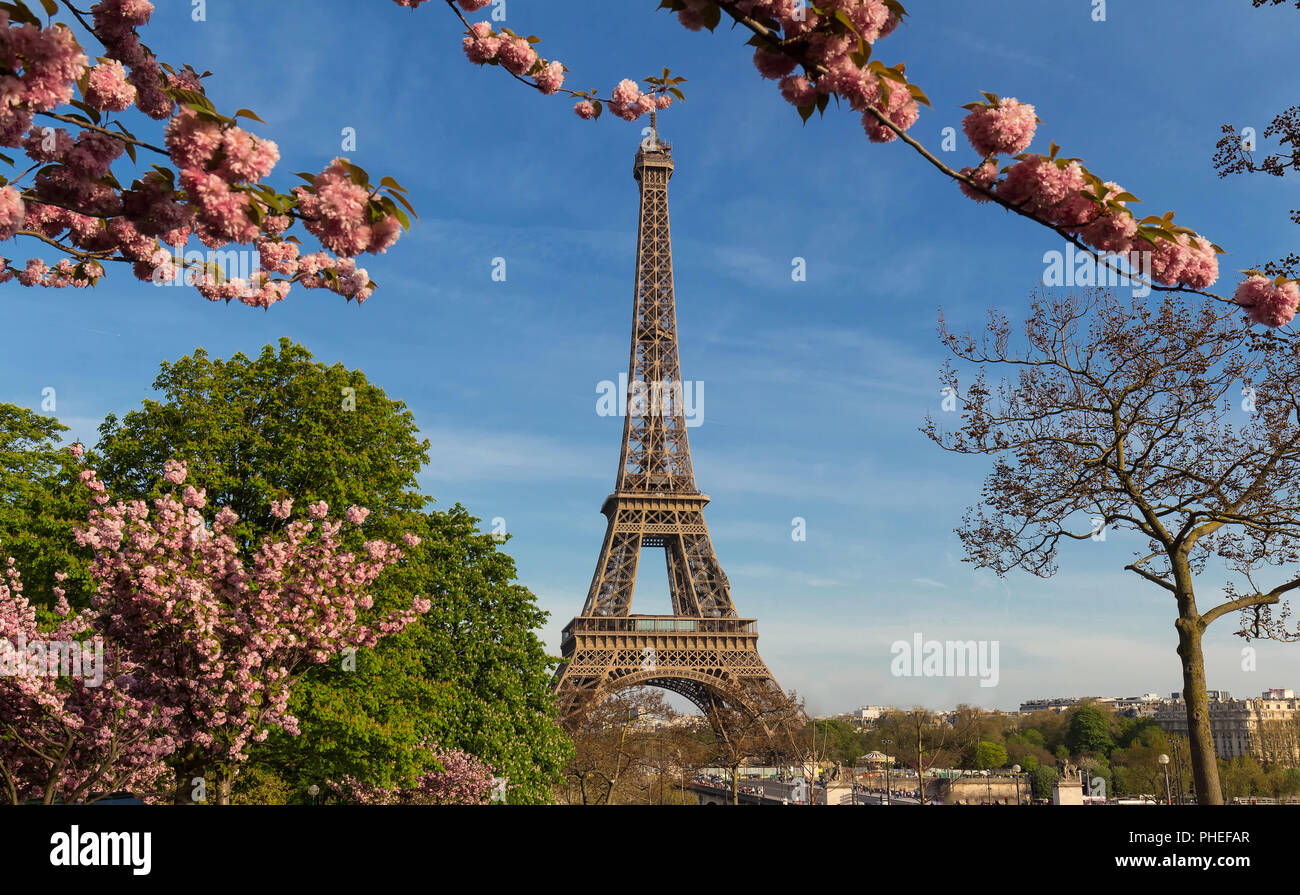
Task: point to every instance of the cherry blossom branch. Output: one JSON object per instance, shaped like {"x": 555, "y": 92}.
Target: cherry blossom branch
{"x": 116, "y": 135}
{"x": 784, "y": 46}
{"x": 832, "y": 41}
{"x": 76, "y": 253}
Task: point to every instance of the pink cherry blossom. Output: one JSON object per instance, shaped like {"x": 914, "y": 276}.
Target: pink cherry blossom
{"x": 516, "y": 54}
{"x": 983, "y": 176}
{"x": 1002, "y": 128}
{"x": 108, "y": 89}
{"x": 481, "y": 45}
{"x": 1267, "y": 302}
{"x": 336, "y": 211}
{"x": 213, "y": 640}
{"x": 13, "y": 211}
{"x": 550, "y": 78}
{"x": 771, "y": 64}
{"x": 463, "y": 780}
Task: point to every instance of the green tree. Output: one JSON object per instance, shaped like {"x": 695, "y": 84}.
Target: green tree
{"x": 1089, "y": 731}
{"x": 835, "y": 740}
{"x": 990, "y": 755}
{"x": 1041, "y": 780}
{"x": 40, "y": 505}
{"x": 470, "y": 675}
{"x": 1241, "y": 777}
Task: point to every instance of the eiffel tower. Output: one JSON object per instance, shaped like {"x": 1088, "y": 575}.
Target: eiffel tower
{"x": 704, "y": 650}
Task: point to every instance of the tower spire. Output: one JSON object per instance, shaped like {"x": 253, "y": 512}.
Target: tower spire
{"x": 703, "y": 650}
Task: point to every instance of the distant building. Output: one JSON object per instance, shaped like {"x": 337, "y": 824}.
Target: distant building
{"x": 1132, "y": 706}
{"x": 1056, "y": 704}
{"x": 867, "y": 714}
{"x": 1266, "y": 728}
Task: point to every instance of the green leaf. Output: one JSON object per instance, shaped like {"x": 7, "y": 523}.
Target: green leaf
{"x": 87, "y": 108}
{"x": 712, "y": 16}
{"x": 843, "y": 18}
{"x": 805, "y": 112}
{"x": 187, "y": 96}
{"x": 51, "y": 7}
{"x": 391, "y": 183}
{"x": 391, "y": 208}
{"x": 358, "y": 174}
{"x": 19, "y": 12}
{"x": 407, "y": 205}
{"x": 245, "y": 113}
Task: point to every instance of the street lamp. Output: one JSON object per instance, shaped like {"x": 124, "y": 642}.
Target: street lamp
{"x": 988, "y": 787}
{"x": 313, "y": 791}
{"x": 1015, "y": 775}
{"x": 1164, "y": 763}
{"x": 889, "y": 796}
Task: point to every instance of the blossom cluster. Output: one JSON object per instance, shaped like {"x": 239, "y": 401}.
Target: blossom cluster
{"x": 1063, "y": 194}
{"x": 1270, "y": 302}
{"x": 833, "y": 57}
{"x": 213, "y": 192}
{"x": 515, "y": 54}
{"x": 336, "y": 211}
{"x": 462, "y": 780}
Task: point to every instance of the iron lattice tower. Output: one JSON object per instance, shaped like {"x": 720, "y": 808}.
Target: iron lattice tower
{"x": 704, "y": 650}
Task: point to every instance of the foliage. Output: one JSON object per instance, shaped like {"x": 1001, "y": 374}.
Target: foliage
{"x": 990, "y": 755}
{"x": 40, "y": 506}
{"x": 1089, "y": 731}
{"x": 470, "y": 675}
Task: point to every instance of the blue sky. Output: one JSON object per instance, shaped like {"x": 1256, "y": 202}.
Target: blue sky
{"x": 813, "y": 390}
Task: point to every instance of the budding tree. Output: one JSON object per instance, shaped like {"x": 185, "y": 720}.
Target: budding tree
{"x": 1127, "y": 414}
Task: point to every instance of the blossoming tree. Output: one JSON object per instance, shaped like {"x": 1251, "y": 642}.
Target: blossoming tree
{"x": 1119, "y": 416}
{"x": 819, "y": 51}
{"x": 218, "y": 639}
{"x": 73, "y": 738}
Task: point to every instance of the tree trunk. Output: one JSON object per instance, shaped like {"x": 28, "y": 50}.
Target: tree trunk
{"x": 225, "y": 782}
{"x": 920, "y": 768}
{"x": 1204, "y": 764}
{"x": 189, "y": 768}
